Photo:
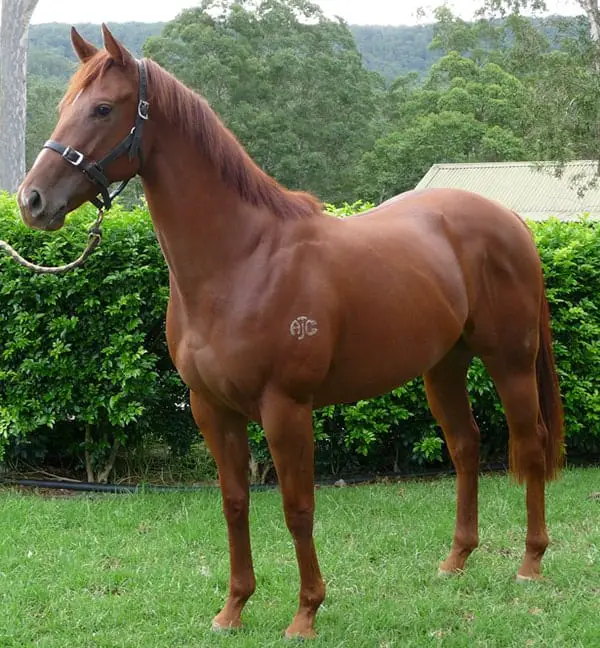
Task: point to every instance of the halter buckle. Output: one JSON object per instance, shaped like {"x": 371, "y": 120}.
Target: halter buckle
{"x": 72, "y": 156}
{"x": 143, "y": 109}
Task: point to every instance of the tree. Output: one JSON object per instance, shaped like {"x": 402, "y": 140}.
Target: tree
{"x": 463, "y": 112}
{"x": 593, "y": 15}
{"x": 561, "y": 72}
{"x": 14, "y": 24}
{"x": 287, "y": 81}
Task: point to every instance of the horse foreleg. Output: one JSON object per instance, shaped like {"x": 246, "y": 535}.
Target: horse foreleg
{"x": 226, "y": 437}
{"x": 288, "y": 428}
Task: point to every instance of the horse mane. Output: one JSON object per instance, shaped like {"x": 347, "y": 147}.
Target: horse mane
{"x": 198, "y": 123}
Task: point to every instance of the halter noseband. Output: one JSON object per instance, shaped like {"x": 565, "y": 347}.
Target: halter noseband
{"x": 96, "y": 171}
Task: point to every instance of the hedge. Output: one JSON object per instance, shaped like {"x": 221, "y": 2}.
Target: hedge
{"x": 84, "y": 354}
{"x": 84, "y": 364}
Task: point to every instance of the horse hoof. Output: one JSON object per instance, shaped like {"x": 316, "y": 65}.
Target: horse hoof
{"x": 527, "y": 579}
{"x": 216, "y": 626}
{"x": 445, "y": 573}
{"x": 300, "y": 636}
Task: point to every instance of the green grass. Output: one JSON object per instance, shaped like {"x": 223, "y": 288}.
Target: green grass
{"x": 151, "y": 570}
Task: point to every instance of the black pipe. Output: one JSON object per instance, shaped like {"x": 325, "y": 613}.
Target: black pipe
{"x": 101, "y": 488}
{"x": 135, "y": 488}
{"x": 333, "y": 481}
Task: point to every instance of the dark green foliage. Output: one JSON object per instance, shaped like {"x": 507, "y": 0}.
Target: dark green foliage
{"x": 571, "y": 259}
{"x": 555, "y": 60}
{"x": 87, "y": 348}
{"x": 390, "y": 51}
{"x": 43, "y": 95}
{"x": 461, "y": 112}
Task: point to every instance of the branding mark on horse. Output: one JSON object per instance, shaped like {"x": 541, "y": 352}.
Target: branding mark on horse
{"x": 303, "y": 327}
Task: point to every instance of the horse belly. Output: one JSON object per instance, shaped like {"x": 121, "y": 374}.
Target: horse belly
{"x": 389, "y": 346}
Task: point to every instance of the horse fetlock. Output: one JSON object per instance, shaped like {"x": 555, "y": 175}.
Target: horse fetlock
{"x": 311, "y": 598}
{"x": 465, "y": 543}
{"x": 242, "y": 590}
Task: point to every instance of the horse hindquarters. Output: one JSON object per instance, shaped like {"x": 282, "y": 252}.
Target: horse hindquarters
{"x": 508, "y": 327}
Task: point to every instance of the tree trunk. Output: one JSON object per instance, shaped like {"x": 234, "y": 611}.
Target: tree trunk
{"x": 89, "y": 468}
{"x": 110, "y": 463}
{"x": 593, "y": 14}
{"x": 14, "y": 27}
{"x": 259, "y": 471}
{"x": 102, "y": 474}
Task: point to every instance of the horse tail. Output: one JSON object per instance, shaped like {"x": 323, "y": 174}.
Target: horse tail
{"x": 551, "y": 408}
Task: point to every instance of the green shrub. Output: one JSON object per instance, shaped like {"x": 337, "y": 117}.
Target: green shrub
{"x": 570, "y": 255}
{"x": 86, "y": 351}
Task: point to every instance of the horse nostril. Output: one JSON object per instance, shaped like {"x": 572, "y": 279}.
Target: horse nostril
{"x": 35, "y": 203}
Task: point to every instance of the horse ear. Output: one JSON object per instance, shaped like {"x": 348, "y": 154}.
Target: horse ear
{"x": 118, "y": 52}
{"x": 83, "y": 48}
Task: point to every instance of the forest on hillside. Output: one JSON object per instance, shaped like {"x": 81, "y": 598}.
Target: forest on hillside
{"x": 391, "y": 51}
{"x": 353, "y": 112}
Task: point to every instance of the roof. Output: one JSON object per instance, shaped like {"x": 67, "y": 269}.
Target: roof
{"x": 532, "y": 189}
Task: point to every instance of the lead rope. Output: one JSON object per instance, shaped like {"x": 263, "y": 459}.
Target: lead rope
{"x": 94, "y": 238}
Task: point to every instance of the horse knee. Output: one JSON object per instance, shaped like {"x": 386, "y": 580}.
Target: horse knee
{"x": 299, "y": 520}
{"x": 235, "y": 508}
{"x": 464, "y": 450}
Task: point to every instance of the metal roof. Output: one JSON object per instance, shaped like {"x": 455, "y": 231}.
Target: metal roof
{"x": 532, "y": 189}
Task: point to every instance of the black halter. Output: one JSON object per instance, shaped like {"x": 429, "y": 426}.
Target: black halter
{"x": 96, "y": 171}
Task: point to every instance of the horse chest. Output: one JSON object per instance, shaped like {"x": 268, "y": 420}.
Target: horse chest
{"x": 217, "y": 370}
{"x": 194, "y": 362}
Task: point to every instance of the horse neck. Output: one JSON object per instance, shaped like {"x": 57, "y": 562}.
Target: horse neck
{"x": 204, "y": 228}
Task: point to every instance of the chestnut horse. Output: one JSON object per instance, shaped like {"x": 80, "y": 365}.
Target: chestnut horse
{"x": 276, "y": 308}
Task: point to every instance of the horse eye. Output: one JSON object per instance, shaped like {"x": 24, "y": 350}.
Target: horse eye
{"x": 103, "y": 110}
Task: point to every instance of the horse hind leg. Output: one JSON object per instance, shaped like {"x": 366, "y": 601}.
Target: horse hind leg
{"x": 528, "y": 436}
{"x": 446, "y": 389}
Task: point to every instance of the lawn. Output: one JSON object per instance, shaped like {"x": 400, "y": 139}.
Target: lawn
{"x": 150, "y": 570}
